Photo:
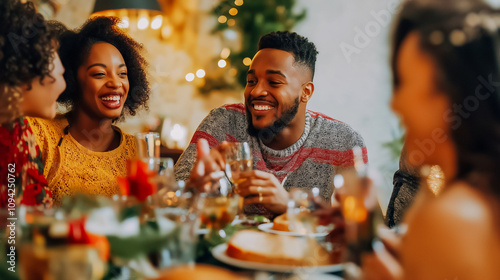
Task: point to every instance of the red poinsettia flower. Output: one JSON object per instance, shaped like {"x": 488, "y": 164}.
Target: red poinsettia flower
{"x": 137, "y": 183}
{"x": 77, "y": 233}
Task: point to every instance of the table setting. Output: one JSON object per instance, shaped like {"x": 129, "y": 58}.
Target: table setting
{"x": 159, "y": 224}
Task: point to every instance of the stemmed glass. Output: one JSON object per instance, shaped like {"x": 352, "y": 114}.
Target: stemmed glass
{"x": 238, "y": 158}
{"x": 217, "y": 208}
{"x": 301, "y": 212}
{"x": 304, "y": 212}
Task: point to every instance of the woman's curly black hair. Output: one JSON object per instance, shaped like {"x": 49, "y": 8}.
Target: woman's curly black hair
{"x": 26, "y": 44}
{"x": 75, "y": 47}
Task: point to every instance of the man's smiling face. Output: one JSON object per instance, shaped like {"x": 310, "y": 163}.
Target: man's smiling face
{"x": 274, "y": 86}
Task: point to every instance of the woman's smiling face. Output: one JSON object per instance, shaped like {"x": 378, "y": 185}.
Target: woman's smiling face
{"x": 103, "y": 82}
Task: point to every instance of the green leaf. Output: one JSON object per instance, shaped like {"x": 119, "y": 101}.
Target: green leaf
{"x": 149, "y": 240}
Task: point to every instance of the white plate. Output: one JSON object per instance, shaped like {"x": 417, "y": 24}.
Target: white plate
{"x": 219, "y": 253}
{"x": 268, "y": 227}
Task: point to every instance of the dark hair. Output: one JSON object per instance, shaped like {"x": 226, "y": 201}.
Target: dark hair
{"x": 26, "y": 44}
{"x": 303, "y": 51}
{"x": 462, "y": 37}
{"x": 75, "y": 47}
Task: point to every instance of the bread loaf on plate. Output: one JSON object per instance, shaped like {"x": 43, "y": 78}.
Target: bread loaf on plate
{"x": 256, "y": 246}
{"x": 281, "y": 223}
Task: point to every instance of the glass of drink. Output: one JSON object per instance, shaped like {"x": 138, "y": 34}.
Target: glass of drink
{"x": 361, "y": 210}
{"x": 148, "y": 148}
{"x": 181, "y": 249}
{"x": 238, "y": 159}
{"x": 300, "y": 212}
{"x": 217, "y": 209}
{"x": 148, "y": 144}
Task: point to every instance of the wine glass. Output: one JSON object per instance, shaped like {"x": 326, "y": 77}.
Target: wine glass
{"x": 173, "y": 210}
{"x": 304, "y": 218}
{"x": 300, "y": 211}
{"x": 148, "y": 148}
{"x": 238, "y": 158}
{"x": 217, "y": 208}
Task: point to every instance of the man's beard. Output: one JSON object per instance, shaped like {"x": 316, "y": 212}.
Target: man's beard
{"x": 266, "y": 135}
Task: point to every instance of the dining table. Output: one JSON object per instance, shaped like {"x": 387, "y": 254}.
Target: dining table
{"x": 252, "y": 271}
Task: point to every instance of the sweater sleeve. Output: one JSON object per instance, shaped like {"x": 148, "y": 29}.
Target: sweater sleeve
{"x": 213, "y": 129}
{"x": 405, "y": 189}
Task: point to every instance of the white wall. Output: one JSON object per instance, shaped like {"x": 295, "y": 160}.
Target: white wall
{"x": 355, "y": 88}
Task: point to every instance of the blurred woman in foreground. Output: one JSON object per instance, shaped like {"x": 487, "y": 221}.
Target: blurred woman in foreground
{"x": 446, "y": 59}
{"x": 31, "y": 80}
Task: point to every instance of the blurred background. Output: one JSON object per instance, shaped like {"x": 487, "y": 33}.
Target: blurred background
{"x": 199, "y": 51}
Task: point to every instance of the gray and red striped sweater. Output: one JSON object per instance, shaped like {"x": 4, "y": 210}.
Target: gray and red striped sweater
{"x": 312, "y": 161}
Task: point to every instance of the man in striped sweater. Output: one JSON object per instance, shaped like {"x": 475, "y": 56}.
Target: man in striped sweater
{"x": 291, "y": 146}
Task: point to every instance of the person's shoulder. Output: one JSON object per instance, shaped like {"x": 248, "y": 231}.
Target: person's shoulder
{"x": 235, "y": 107}
{"x": 456, "y": 229}
{"x": 336, "y": 130}
{"x": 330, "y": 124}
{"x": 57, "y": 124}
{"x": 128, "y": 142}
{"x": 229, "y": 110}
{"x": 127, "y": 139}
{"x": 318, "y": 115}
{"x": 52, "y": 128}
{"x": 48, "y": 132}
{"x": 460, "y": 204}
{"x": 234, "y": 114}
{"x": 125, "y": 136}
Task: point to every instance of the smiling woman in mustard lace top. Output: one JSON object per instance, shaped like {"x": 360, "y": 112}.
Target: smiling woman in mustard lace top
{"x": 82, "y": 150}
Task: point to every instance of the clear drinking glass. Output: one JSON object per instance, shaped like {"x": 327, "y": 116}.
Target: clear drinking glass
{"x": 217, "y": 208}
{"x": 238, "y": 159}
{"x": 173, "y": 210}
{"x": 148, "y": 147}
{"x": 182, "y": 248}
{"x": 301, "y": 206}
{"x": 161, "y": 165}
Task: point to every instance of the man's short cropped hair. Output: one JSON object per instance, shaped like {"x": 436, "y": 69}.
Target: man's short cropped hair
{"x": 304, "y": 51}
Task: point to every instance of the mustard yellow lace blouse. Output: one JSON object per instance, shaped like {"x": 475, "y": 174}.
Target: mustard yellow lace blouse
{"x": 70, "y": 168}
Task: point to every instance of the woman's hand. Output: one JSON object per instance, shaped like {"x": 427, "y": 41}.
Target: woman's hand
{"x": 265, "y": 188}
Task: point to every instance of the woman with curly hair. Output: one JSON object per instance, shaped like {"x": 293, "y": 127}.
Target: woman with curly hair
{"x": 31, "y": 79}
{"x": 83, "y": 151}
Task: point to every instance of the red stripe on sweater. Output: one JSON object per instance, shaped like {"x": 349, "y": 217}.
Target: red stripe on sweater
{"x": 316, "y": 114}
{"x": 332, "y": 157}
{"x": 231, "y": 139}
{"x": 364, "y": 151}
{"x": 239, "y": 107}
{"x": 212, "y": 142}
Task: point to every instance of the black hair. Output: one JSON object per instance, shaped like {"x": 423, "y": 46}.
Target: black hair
{"x": 303, "y": 51}
{"x": 26, "y": 44}
{"x": 75, "y": 47}
{"x": 462, "y": 38}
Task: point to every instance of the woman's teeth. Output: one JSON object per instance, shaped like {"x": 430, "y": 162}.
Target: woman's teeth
{"x": 111, "y": 98}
